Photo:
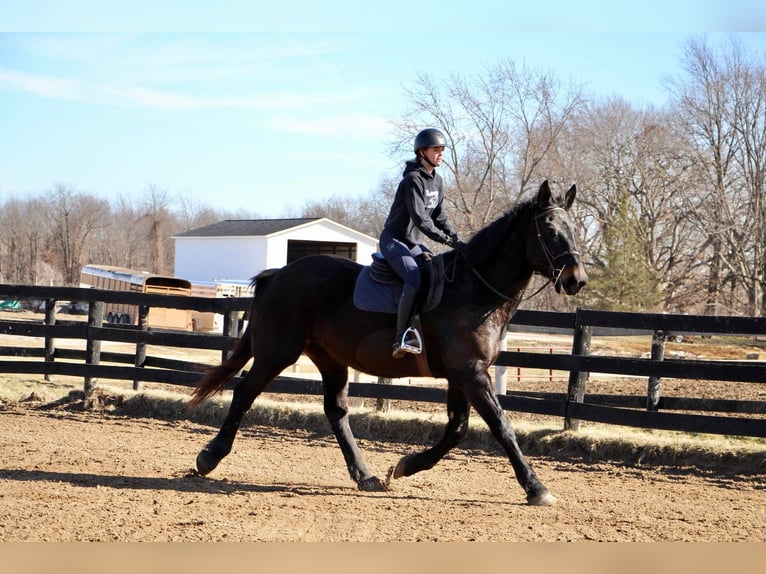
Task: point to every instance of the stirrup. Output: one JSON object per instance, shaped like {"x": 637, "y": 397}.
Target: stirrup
{"x": 409, "y": 343}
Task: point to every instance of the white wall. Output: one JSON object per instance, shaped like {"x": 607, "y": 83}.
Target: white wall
{"x": 364, "y": 252}
{"x": 209, "y": 258}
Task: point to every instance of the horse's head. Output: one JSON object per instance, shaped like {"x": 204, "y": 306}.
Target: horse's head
{"x": 551, "y": 247}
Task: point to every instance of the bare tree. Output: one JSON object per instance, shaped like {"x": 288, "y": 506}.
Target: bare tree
{"x": 22, "y": 241}
{"x": 659, "y": 185}
{"x": 719, "y": 99}
{"x": 500, "y": 126}
{"x": 631, "y": 169}
{"x": 191, "y": 213}
{"x": 749, "y": 120}
{"x": 366, "y": 215}
{"x": 118, "y": 243}
{"x": 72, "y": 218}
{"x": 156, "y": 215}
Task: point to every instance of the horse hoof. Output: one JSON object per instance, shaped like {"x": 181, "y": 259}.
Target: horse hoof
{"x": 544, "y": 499}
{"x": 372, "y": 484}
{"x": 206, "y": 462}
{"x": 398, "y": 471}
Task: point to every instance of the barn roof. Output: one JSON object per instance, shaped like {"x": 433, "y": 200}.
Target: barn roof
{"x": 247, "y": 227}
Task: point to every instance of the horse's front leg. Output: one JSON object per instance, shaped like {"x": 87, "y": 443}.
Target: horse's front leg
{"x": 335, "y": 379}
{"x": 482, "y": 397}
{"x": 456, "y": 429}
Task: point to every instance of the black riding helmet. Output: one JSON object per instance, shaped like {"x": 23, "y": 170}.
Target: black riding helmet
{"x": 429, "y": 137}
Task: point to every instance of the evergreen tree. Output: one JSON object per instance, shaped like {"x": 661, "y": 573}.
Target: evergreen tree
{"x": 621, "y": 279}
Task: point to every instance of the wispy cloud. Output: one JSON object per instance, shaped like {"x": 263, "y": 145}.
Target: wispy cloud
{"x": 72, "y": 90}
{"x": 178, "y": 71}
{"x": 44, "y": 86}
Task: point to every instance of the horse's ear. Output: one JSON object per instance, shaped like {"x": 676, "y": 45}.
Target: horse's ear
{"x": 569, "y": 197}
{"x": 544, "y": 195}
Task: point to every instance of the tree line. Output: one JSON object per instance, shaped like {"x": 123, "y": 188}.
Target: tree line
{"x": 671, "y": 207}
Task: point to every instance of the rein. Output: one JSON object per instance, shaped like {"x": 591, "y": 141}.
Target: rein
{"x": 548, "y": 256}
{"x": 486, "y": 283}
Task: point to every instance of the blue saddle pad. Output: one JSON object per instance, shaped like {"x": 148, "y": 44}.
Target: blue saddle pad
{"x": 370, "y": 295}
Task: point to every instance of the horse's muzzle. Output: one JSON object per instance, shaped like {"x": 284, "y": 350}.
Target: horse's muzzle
{"x": 571, "y": 279}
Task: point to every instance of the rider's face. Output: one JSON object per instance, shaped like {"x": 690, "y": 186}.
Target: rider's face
{"x": 434, "y": 154}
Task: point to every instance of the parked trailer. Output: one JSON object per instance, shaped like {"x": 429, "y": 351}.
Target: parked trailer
{"x": 123, "y": 279}
{"x": 213, "y": 322}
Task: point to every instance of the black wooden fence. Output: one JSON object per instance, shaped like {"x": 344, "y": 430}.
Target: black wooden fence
{"x": 652, "y": 410}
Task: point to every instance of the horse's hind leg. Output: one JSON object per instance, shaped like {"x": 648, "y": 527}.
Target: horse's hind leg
{"x": 335, "y": 380}
{"x": 456, "y": 429}
{"x": 245, "y": 393}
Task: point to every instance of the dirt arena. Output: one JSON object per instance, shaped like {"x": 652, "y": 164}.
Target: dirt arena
{"x": 69, "y": 475}
{"x": 73, "y": 475}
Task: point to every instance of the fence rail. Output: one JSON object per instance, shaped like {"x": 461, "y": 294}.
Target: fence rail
{"x": 573, "y": 404}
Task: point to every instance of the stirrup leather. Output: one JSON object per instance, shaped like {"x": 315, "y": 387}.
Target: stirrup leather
{"x": 411, "y": 341}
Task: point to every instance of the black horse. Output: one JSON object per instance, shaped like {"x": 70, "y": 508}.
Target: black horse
{"x": 306, "y": 307}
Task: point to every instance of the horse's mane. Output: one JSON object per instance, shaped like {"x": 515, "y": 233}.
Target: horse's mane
{"x": 486, "y": 243}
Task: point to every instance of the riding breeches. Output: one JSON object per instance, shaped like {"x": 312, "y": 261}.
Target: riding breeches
{"x": 402, "y": 259}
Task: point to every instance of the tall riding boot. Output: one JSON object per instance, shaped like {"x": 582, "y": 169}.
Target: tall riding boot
{"x": 407, "y": 337}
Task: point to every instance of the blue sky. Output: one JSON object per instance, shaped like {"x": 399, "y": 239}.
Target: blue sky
{"x": 277, "y": 104}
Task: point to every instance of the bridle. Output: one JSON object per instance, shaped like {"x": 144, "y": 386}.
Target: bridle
{"x": 548, "y": 255}
{"x": 550, "y": 258}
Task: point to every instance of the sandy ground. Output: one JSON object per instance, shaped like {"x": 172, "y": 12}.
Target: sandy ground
{"x": 68, "y": 475}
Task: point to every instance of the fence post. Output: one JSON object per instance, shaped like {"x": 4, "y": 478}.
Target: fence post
{"x": 501, "y": 383}
{"x": 93, "y": 345}
{"x": 577, "y": 379}
{"x": 355, "y": 401}
{"x": 550, "y": 371}
{"x": 50, "y": 342}
{"x": 383, "y": 405}
{"x": 230, "y": 329}
{"x": 143, "y": 326}
{"x": 658, "y": 354}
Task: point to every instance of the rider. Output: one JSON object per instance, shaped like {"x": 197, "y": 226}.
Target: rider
{"x": 415, "y": 212}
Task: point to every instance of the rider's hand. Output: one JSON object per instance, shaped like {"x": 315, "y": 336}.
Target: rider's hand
{"x": 455, "y": 243}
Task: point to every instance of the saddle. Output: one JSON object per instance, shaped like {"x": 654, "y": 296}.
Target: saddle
{"x": 378, "y": 288}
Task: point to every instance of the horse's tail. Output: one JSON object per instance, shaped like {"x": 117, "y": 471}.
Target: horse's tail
{"x": 216, "y": 377}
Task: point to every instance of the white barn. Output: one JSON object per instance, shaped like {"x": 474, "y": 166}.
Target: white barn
{"x": 238, "y": 249}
